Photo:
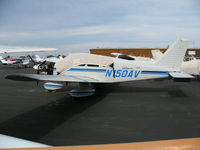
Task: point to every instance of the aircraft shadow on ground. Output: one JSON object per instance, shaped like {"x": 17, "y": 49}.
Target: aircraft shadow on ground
{"x": 173, "y": 91}
{"x": 35, "y": 124}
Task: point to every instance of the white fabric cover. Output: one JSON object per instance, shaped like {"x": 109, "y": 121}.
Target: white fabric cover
{"x": 82, "y": 58}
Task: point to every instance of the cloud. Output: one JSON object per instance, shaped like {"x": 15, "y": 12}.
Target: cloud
{"x": 69, "y": 32}
{"x": 77, "y": 25}
{"x": 86, "y": 46}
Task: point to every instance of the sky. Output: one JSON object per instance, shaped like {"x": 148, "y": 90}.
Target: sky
{"x": 79, "y": 25}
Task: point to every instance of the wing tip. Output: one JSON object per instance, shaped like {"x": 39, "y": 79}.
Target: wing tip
{"x": 18, "y": 77}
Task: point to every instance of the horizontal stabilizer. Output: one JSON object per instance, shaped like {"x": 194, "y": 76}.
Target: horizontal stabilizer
{"x": 180, "y": 75}
{"x": 38, "y": 77}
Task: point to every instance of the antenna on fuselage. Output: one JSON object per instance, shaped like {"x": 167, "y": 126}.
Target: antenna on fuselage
{"x": 112, "y": 66}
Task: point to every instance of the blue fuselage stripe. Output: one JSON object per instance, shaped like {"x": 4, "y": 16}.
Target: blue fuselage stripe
{"x": 155, "y": 72}
{"x": 87, "y": 70}
{"x": 104, "y": 71}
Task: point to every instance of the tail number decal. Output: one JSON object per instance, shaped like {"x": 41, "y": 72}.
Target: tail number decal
{"x": 122, "y": 73}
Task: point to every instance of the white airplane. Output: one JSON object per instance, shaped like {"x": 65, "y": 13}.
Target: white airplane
{"x": 191, "y": 66}
{"x": 89, "y": 69}
{"x": 38, "y": 59}
{"x": 42, "y": 64}
{"x": 54, "y": 59}
{"x": 7, "y": 61}
{"x": 25, "y": 62}
{"x": 156, "y": 54}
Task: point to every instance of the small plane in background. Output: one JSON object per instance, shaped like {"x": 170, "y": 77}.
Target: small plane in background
{"x": 41, "y": 65}
{"x": 53, "y": 59}
{"x": 7, "y": 61}
{"x": 20, "y": 62}
{"x": 89, "y": 70}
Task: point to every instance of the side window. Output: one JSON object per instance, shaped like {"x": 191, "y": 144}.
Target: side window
{"x": 81, "y": 65}
{"x": 92, "y": 65}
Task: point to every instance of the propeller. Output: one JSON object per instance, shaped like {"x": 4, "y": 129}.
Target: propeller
{"x": 35, "y": 63}
{"x": 41, "y": 64}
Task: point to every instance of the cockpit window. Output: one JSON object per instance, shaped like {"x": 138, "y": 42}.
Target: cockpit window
{"x": 126, "y": 57}
{"x": 92, "y": 65}
{"x": 81, "y": 65}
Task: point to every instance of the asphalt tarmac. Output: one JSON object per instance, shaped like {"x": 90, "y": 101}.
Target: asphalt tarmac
{"x": 129, "y": 112}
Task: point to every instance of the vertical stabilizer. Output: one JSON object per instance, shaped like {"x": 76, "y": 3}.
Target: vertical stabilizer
{"x": 174, "y": 55}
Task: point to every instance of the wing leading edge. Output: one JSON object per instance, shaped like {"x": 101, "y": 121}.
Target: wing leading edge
{"x": 61, "y": 78}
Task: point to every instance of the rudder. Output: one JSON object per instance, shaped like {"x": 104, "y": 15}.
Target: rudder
{"x": 174, "y": 55}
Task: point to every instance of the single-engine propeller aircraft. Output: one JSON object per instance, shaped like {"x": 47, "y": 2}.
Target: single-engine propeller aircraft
{"x": 89, "y": 69}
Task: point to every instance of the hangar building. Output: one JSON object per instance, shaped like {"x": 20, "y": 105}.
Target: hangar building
{"x": 144, "y": 52}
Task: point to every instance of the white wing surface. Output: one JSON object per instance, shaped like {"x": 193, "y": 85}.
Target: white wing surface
{"x": 4, "y": 49}
{"x": 62, "y": 78}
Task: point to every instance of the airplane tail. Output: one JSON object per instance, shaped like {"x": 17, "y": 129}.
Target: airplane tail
{"x": 174, "y": 55}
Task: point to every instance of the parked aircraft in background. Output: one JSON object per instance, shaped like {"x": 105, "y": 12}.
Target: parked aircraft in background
{"x": 7, "y": 61}
{"x": 89, "y": 69}
{"x": 54, "y": 59}
{"x": 25, "y": 62}
{"x": 41, "y": 65}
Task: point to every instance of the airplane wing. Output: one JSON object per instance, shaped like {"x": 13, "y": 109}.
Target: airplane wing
{"x": 180, "y": 75}
{"x": 13, "y": 142}
{"x": 62, "y": 78}
{"x": 5, "y": 49}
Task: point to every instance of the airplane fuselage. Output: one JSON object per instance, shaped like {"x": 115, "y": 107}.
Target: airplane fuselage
{"x": 123, "y": 70}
